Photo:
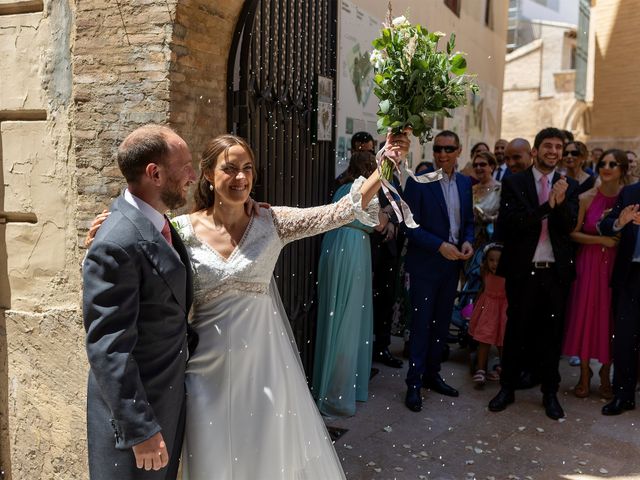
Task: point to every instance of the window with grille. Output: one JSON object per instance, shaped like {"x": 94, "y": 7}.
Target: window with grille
{"x": 582, "y": 49}
{"x": 454, "y": 6}
{"x": 488, "y": 14}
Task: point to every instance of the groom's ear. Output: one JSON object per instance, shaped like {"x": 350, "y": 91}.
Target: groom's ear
{"x": 152, "y": 172}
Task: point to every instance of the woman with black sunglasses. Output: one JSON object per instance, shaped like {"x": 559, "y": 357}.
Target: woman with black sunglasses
{"x": 589, "y": 319}
{"x": 574, "y": 157}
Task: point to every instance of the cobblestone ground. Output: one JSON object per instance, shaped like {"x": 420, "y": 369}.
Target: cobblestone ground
{"x": 458, "y": 438}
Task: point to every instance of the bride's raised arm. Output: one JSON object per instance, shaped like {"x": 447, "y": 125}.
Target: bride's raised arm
{"x": 361, "y": 203}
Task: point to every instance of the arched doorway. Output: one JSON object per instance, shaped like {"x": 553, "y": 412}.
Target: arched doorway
{"x": 279, "y": 51}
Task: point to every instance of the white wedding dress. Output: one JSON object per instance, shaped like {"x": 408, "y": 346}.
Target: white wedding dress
{"x": 249, "y": 411}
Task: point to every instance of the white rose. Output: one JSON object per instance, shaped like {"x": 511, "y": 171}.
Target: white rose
{"x": 399, "y": 21}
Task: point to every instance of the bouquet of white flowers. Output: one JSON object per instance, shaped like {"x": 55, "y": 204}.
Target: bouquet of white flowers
{"x": 415, "y": 80}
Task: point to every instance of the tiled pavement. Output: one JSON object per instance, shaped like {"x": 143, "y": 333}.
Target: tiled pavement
{"x": 458, "y": 438}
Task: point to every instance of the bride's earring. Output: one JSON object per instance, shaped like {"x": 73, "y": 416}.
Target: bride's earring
{"x": 211, "y": 187}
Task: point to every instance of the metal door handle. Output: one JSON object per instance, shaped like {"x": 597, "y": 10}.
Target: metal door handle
{"x": 19, "y": 217}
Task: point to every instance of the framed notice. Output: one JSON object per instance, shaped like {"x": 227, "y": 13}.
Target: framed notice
{"x": 325, "y": 111}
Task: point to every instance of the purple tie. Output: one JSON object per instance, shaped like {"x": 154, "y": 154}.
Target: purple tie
{"x": 543, "y": 196}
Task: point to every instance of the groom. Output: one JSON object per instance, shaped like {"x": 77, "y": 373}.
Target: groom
{"x": 137, "y": 292}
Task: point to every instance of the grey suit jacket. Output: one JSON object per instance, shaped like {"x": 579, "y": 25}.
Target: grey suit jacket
{"x": 137, "y": 293}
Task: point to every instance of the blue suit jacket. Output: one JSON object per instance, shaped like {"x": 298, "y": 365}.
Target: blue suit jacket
{"x": 427, "y": 203}
{"x": 629, "y": 195}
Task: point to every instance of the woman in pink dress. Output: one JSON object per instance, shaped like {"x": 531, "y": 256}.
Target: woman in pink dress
{"x": 588, "y": 333}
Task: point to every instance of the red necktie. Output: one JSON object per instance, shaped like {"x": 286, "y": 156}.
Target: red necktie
{"x": 166, "y": 232}
{"x": 543, "y": 196}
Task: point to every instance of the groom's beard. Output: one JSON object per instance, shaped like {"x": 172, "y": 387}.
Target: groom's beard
{"x": 173, "y": 195}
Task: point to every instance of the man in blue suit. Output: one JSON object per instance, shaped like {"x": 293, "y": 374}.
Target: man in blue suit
{"x": 436, "y": 251}
{"x": 625, "y": 282}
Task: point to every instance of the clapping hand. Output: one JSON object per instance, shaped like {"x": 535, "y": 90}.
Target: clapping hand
{"x": 558, "y": 192}
{"x": 630, "y": 213}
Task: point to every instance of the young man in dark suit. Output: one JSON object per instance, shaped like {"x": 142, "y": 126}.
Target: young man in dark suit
{"x": 538, "y": 211}
{"x": 624, "y": 219}
{"x": 137, "y": 293}
{"x": 436, "y": 251}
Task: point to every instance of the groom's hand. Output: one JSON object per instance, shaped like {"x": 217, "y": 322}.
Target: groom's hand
{"x": 251, "y": 207}
{"x": 152, "y": 453}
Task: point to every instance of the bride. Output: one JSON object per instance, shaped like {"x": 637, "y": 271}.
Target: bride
{"x": 249, "y": 411}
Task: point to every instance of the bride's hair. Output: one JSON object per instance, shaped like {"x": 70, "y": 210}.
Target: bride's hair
{"x": 204, "y": 196}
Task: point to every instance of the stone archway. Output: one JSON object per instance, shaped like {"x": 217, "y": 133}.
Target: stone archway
{"x": 200, "y": 44}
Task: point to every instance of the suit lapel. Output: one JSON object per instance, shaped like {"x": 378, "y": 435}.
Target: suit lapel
{"x": 160, "y": 254}
{"x": 436, "y": 190}
{"x": 530, "y": 188}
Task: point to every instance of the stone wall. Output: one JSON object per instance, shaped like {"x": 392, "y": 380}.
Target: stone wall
{"x": 198, "y": 77}
{"x": 84, "y": 74}
{"x": 538, "y": 92}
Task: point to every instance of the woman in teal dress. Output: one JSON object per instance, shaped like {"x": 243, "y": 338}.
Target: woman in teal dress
{"x": 345, "y": 313}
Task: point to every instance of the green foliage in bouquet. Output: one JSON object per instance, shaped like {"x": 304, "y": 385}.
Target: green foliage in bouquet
{"x": 414, "y": 79}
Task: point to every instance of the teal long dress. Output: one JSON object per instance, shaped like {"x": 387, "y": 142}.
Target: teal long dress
{"x": 345, "y": 318}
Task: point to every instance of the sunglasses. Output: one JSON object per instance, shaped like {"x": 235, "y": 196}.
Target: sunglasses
{"x": 610, "y": 165}
{"x": 480, "y": 165}
{"x": 445, "y": 148}
{"x": 572, "y": 153}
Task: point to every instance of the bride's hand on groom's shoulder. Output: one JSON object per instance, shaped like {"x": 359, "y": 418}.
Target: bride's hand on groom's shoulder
{"x": 251, "y": 207}
{"x": 95, "y": 225}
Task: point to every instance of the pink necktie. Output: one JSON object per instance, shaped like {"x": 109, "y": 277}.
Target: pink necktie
{"x": 166, "y": 232}
{"x": 543, "y": 196}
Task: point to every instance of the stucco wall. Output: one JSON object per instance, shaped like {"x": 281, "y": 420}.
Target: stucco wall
{"x": 40, "y": 330}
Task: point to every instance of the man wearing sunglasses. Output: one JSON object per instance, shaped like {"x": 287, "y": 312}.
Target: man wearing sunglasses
{"x": 538, "y": 211}
{"x": 436, "y": 251}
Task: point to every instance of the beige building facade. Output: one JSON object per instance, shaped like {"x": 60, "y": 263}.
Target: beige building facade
{"x": 481, "y": 29}
{"x": 599, "y": 102}
{"x": 539, "y": 82}
{"x": 614, "y": 102}
{"x": 77, "y": 77}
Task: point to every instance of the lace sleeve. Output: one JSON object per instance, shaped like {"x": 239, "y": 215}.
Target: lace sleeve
{"x": 295, "y": 223}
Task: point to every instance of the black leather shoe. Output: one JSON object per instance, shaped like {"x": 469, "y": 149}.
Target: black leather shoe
{"x": 384, "y": 356}
{"x": 552, "y": 406}
{"x": 617, "y": 406}
{"x": 413, "y": 400}
{"x": 502, "y": 400}
{"x": 437, "y": 384}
